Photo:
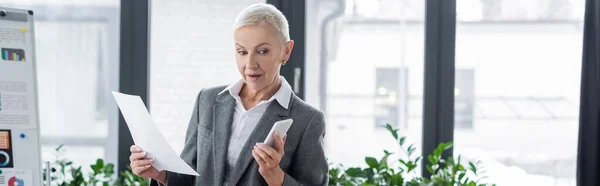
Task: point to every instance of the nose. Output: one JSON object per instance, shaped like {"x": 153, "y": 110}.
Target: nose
{"x": 251, "y": 62}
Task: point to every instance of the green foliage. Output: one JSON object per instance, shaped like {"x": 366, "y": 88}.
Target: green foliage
{"x": 65, "y": 173}
{"x": 444, "y": 172}
{"x": 382, "y": 171}
{"x": 131, "y": 179}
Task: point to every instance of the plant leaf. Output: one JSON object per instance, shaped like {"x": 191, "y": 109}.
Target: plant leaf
{"x": 388, "y": 127}
{"x": 430, "y": 169}
{"x": 460, "y": 167}
{"x": 383, "y": 162}
{"x": 482, "y": 178}
{"x": 473, "y": 168}
{"x": 94, "y": 168}
{"x": 355, "y": 172}
{"x": 437, "y": 152}
{"x": 450, "y": 161}
{"x": 100, "y": 162}
{"x": 368, "y": 173}
{"x": 109, "y": 169}
{"x": 396, "y": 180}
{"x": 391, "y": 130}
{"x": 402, "y": 140}
{"x": 372, "y": 162}
{"x": 403, "y": 162}
{"x": 411, "y": 166}
{"x": 411, "y": 150}
{"x": 59, "y": 147}
{"x": 432, "y": 160}
{"x": 461, "y": 176}
{"x": 447, "y": 145}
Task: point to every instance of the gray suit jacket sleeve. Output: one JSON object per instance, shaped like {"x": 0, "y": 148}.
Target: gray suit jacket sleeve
{"x": 188, "y": 154}
{"x": 310, "y": 166}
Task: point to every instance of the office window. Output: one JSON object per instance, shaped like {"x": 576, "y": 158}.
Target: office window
{"x": 192, "y": 48}
{"x": 370, "y": 73}
{"x": 391, "y": 97}
{"x": 464, "y": 98}
{"x": 77, "y": 47}
{"x": 518, "y": 69}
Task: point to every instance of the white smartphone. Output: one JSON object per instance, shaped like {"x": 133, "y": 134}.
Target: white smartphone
{"x": 281, "y": 127}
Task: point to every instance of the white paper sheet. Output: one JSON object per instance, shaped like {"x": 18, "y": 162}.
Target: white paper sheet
{"x": 146, "y": 135}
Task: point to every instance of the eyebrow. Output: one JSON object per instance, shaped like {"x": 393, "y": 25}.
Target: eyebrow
{"x": 262, "y": 44}
{"x": 256, "y": 45}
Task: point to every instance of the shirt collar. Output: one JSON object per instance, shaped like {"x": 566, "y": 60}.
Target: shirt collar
{"x": 283, "y": 95}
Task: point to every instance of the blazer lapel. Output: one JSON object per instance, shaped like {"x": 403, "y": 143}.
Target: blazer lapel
{"x": 223, "y": 112}
{"x": 274, "y": 113}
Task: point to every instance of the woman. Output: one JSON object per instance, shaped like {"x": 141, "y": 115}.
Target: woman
{"x": 223, "y": 140}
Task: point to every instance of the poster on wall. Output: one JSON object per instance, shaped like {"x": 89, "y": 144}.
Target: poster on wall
{"x": 17, "y": 82}
{"x": 15, "y": 177}
{"x": 6, "y": 153}
{"x": 20, "y": 158}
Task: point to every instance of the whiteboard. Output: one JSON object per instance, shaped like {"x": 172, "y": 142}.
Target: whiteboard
{"x": 20, "y": 159}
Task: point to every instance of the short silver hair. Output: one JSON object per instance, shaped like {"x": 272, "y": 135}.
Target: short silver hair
{"x": 262, "y": 13}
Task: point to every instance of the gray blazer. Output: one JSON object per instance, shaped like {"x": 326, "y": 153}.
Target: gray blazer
{"x": 207, "y": 139}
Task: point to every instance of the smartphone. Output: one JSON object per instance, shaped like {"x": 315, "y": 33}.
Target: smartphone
{"x": 281, "y": 127}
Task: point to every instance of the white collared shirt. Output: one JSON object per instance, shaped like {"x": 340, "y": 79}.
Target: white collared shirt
{"x": 244, "y": 120}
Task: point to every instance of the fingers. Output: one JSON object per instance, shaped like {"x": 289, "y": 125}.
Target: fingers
{"x": 265, "y": 148}
{"x": 269, "y": 161}
{"x": 279, "y": 142}
{"x": 280, "y": 145}
{"x": 135, "y": 148}
{"x": 139, "y": 170}
{"x": 259, "y": 159}
{"x": 142, "y": 163}
{"x": 262, "y": 153}
{"x": 136, "y": 156}
{"x": 277, "y": 137}
{"x": 136, "y": 153}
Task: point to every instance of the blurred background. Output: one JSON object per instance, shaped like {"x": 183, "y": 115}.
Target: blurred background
{"x": 517, "y": 78}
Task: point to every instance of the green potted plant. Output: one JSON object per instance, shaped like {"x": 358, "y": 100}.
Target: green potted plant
{"x": 444, "y": 172}
{"x": 65, "y": 173}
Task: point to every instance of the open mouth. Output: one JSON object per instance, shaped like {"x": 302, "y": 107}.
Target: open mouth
{"x": 254, "y": 76}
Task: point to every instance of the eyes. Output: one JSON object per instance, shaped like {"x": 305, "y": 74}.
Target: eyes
{"x": 241, "y": 52}
{"x": 260, "y": 51}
